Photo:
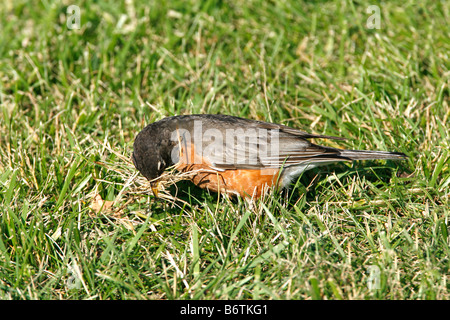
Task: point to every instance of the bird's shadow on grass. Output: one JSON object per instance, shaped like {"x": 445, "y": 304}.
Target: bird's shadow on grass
{"x": 316, "y": 181}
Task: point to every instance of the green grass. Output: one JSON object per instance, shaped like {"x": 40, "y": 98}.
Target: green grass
{"x": 72, "y": 102}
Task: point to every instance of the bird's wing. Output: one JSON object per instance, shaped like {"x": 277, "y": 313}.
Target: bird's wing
{"x": 264, "y": 146}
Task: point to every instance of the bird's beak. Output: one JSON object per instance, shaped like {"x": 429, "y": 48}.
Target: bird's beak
{"x": 155, "y": 187}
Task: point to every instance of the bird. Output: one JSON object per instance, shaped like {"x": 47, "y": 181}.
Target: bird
{"x": 234, "y": 155}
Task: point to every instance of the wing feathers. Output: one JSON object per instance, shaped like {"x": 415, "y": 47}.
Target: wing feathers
{"x": 247, "y": 144}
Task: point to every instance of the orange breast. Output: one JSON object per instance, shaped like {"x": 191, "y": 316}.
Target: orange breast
{"x": 246, "y": 183}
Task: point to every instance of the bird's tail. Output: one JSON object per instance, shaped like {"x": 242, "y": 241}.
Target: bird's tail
{"x": 372, "y": 155}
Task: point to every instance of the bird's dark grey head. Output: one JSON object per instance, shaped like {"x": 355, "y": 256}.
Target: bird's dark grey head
{"x": 152, "y": 150}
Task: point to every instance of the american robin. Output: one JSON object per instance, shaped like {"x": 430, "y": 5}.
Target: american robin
{"x": 234, "y": 155}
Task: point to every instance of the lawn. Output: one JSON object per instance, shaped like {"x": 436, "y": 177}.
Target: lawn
{"x": 78, "y": 222}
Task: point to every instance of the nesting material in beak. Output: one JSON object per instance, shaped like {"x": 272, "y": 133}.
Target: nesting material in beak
{"x": 155, "y": 187}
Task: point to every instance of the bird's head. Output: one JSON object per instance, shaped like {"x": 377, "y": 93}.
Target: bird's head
{"x": 152, "y": 152}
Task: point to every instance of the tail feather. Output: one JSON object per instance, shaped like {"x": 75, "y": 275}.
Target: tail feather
{"x": 372, "y": 155}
